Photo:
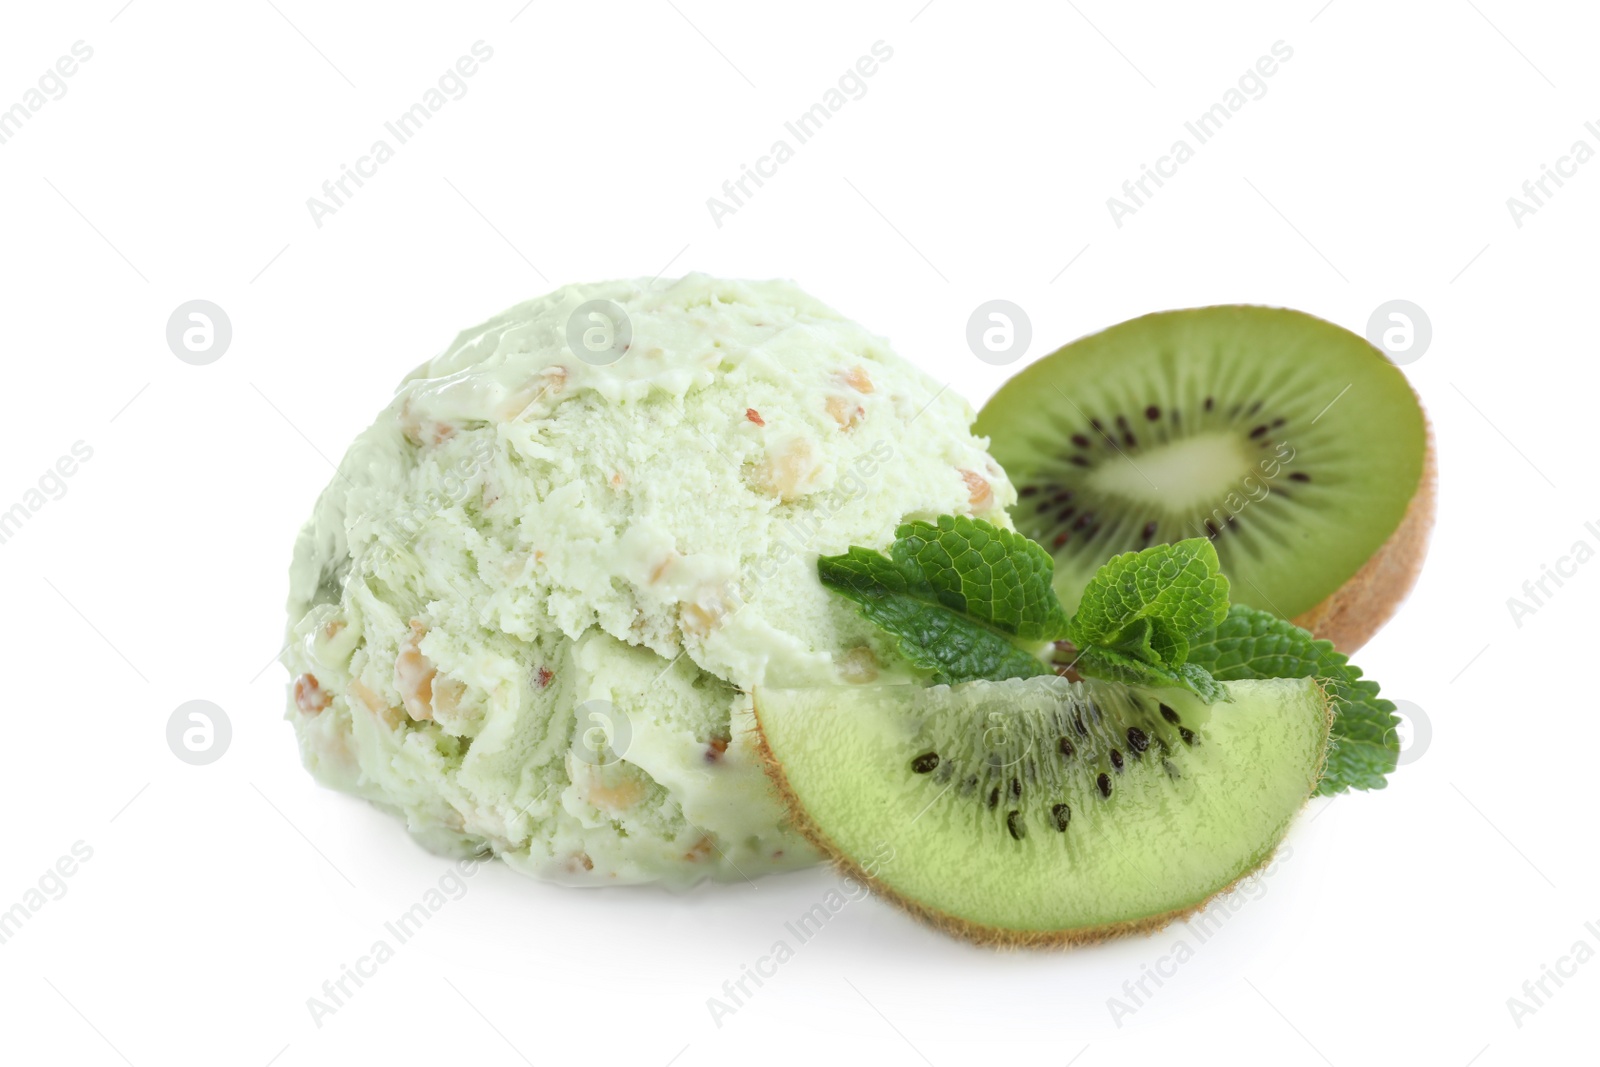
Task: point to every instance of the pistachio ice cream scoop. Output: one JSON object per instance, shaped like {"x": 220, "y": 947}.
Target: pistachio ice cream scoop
{"x": 527, "y": 613}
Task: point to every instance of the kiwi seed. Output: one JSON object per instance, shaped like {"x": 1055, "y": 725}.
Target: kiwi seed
{"x": 1061, "y": 814}
{"x": 925, "y": 762}
{"x": 1104, "y": 782}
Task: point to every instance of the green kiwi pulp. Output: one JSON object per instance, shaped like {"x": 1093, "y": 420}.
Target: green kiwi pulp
{"x": 1291, "y": 443}
{"x": 1043, "y": 811}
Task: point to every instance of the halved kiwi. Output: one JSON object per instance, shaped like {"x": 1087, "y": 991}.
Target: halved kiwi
{"x": 1292, "y": 443}
{"x": 1043, "y": 811}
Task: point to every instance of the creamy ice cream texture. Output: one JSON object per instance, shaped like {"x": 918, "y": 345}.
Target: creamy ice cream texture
{"x": 527, "y": 613}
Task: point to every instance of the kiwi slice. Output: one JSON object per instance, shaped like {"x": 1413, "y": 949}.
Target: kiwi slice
{"x": 1292, "y": 443}
{"x": 1044, "y": 811}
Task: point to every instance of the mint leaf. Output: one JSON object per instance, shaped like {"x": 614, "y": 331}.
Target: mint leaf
{"x": 958, "y": 595}
{"x": 1250, "y": 643}
{"x": 1151, "y": 603}
{"x": 996, "y": 576}
{"x": 1141, "y": 610}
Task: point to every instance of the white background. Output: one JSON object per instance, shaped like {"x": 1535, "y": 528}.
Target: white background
{"x": 978, "y": 164}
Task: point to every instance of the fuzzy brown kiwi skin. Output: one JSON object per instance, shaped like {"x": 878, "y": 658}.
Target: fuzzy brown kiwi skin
{"x": 1352, "y": 613}
{"x": 995, "y": 936}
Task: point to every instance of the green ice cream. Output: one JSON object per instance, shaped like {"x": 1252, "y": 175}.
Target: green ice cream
{"x": 527, "y": 612}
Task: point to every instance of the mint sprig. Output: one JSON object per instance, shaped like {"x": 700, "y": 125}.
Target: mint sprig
{"x": 967, "y": 600}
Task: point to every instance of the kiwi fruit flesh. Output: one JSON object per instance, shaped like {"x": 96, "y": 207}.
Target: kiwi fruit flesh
{"x": 1297, "y": 447}
{"x": 1044, "y": 811}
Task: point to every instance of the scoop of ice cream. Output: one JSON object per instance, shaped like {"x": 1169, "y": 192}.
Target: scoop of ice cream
{"x": 527, "y": 612}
